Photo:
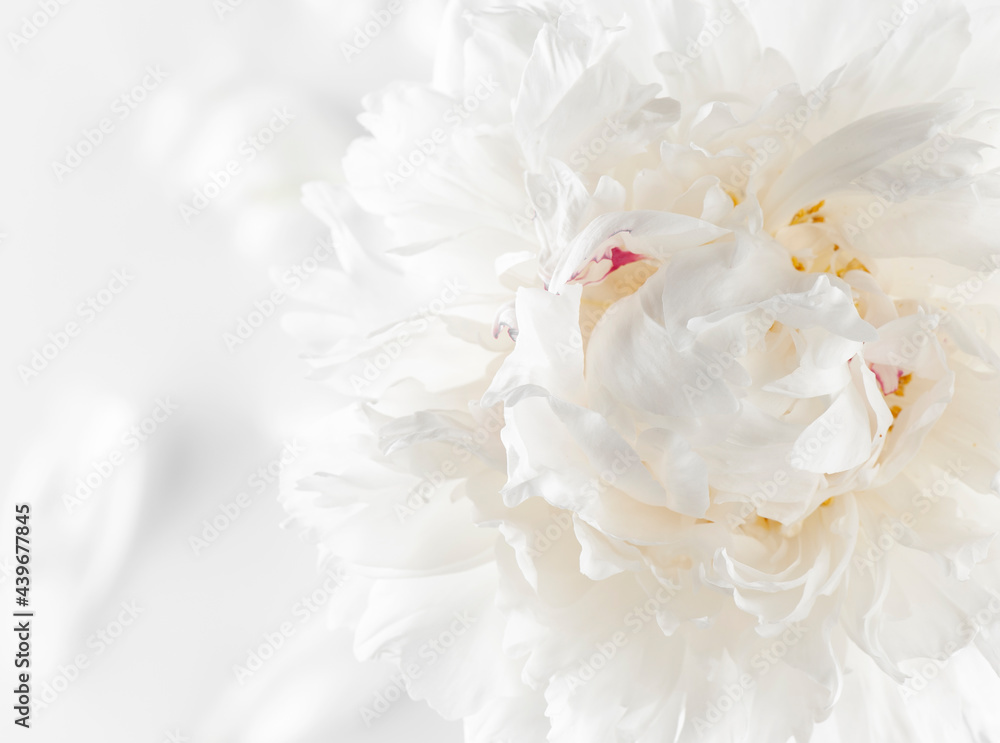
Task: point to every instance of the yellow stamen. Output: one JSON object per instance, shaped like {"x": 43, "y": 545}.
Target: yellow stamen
{"x": 854, "y": 265}
{"x": 903, "y": 381}
{"x": 806, "y": 215}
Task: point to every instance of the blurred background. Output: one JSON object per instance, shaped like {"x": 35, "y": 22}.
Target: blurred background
{"x": 153, "y": 156}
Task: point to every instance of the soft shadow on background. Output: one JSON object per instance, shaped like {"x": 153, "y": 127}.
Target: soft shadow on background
{"x": 171, "y": 606}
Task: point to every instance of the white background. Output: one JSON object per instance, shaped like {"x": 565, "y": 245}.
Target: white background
{"x": 169, "y": 675}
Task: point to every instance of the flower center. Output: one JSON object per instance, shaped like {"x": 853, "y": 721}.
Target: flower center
{"x": 812, "y": 255}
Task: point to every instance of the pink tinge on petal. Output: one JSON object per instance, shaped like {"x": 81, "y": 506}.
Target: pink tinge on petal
{"x": 599, "y": 268}
{"x": 888, "y": 377}
{"x": 506, "y": 320}
{"x": 621, "y": 257}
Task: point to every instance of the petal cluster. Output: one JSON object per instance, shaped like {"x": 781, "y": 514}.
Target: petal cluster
{"x": 663, "y": 340}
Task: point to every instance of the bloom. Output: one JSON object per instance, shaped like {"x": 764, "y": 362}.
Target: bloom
{"x": 667, "y": 352}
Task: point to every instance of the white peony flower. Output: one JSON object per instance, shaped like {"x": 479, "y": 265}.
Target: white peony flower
{"x": 665, "y": 341}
